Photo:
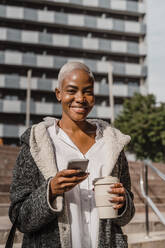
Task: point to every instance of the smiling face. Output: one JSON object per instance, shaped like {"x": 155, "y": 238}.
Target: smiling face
{"x": 76, "y": 95}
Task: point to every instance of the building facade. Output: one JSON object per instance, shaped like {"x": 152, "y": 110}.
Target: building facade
{"x": 43, "y": 35}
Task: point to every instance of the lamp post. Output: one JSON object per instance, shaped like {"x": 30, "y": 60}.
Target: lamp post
{"x": 28, "y": 96}
{"x": 111, "y": 99}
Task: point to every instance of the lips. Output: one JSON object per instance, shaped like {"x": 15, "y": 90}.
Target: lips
{"x": 79, "y": 109}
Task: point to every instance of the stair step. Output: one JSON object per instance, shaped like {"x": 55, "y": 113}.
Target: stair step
{"x": 139, "y": 240}
{"x": 4, "y": 187}
{"x": 4, "y": 197}
{"x": 4, "y": 208}
{"x": 4, "y": 231}
{"x": 155, "y": 199}
{"x": 14, "y": 245}
{"x": 137, "y": 224}
{"x": 140, "y": 207}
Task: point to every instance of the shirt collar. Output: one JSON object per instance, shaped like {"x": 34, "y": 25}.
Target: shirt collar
{"x": 99, "y": 131}
{"x": 56, "y": 126}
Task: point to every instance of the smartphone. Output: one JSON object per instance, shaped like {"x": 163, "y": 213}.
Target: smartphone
{"x": 80, "y": 164}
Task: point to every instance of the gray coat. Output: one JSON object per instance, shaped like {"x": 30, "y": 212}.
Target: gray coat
{"x": 45, "y": 225}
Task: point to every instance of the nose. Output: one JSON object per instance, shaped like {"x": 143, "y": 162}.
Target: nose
{"x": 79, "y": 97}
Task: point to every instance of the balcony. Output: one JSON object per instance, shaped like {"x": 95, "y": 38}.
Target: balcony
{"x": 11, "y": 131}
{"x": 43, "y": 84}
{"x": 72, "y": 41}
{"x": 119, "y": 90}
{"x": 55, "y": 62}
{"x": 116, "y": 5}
{"x": 39, "y": 108}
{"x": 73, "y": 20}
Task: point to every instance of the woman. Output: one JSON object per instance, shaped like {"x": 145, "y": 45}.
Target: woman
{"x": 54, "y": 206}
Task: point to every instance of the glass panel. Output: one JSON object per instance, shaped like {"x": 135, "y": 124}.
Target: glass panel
{"x": 29, "y": 59}
{"x": 132, "y": 6}
{"x": 30, "y": 14}
{"x": 76, "y": 1}
{"x": 45, "y": 38}
{"x": 59, "y": 61}
{"x": 75, "y": 41}
{"x": 44, "y": 84}
{"x": 57, "y": 110}
{"x": 2, "y": 11}
{"x": 61, "y": 18}
{"x": 90, "y": 21}
{"x": 10, "y": 130}
{"x": 104, "y": 44}
{"x": 119, "y": 68}
{"x": 2, "y": 57}
{"x": 104, "y": 3}
{"x": 118, "y": 25}
{"x": 132, "y": 47}
{"x": 92, "y": 64}
{"x": 12, "y": 81}
{"x": 13, "y": 34}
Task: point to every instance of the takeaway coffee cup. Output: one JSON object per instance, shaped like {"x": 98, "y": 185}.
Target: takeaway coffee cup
{"x": 102, "y": 197}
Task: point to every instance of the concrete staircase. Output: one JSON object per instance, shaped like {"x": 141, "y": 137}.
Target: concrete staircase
{"x": 135, "y": 230}
{"x": 8, "y": 156}
{"x": 156, "y": 186}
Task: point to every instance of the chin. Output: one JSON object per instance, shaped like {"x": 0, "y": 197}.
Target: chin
{"x": 78, "y": 118}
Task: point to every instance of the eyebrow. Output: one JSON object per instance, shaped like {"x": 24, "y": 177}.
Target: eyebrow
{"x": 75, "y": 87}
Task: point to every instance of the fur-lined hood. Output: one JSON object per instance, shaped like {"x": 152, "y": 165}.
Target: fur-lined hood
{"x": 43, "y": 154}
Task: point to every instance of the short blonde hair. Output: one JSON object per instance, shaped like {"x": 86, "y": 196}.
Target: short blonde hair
{"x": 69, "y": 67}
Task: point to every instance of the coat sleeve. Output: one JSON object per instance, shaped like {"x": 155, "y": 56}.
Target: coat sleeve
{"x": 29, "y": 197}
{"x": 127, "y": 212}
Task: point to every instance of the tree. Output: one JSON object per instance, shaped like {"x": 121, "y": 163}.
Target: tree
{"x": 144, "y": 121}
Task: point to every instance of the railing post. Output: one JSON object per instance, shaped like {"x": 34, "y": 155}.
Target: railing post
{"x": 146, "y": 203}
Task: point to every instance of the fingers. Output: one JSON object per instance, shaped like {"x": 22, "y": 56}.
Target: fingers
{"x": 118, "y": 206}
{"x": 120, "y": 199}
{"x": 117, "y": 188}
{"x": 65, "y": 180}
{"x": 68, "y": 173}
{"x": 73, "y": 179}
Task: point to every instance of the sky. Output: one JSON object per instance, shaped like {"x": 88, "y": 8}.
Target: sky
{"x": 156, "y": 48}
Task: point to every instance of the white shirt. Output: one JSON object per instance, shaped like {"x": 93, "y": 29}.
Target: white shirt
{"x": 83, "y": 213}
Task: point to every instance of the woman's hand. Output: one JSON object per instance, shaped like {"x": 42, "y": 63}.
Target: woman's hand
{"x": 117, "y": 188}
{"x": 65, "y": 180}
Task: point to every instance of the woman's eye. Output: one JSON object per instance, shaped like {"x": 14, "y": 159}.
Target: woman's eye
{"x": 71, "y": 91}
{"x": 89, "y": 92}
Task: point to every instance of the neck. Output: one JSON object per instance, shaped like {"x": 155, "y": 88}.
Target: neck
{"x": 72, "y": 126}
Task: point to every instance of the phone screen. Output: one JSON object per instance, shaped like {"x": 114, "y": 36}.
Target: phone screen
{"x": 81, "y": 164}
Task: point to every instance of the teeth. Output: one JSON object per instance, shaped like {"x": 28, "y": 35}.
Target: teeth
{"x": 79, "y": 107}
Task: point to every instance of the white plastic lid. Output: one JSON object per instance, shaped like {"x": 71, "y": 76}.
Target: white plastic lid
{"x": 105, "y": 180}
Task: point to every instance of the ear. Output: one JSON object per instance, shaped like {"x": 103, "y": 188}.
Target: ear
{"x": 58, "y": 94}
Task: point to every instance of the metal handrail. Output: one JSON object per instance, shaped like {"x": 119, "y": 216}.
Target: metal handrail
{"x": 144, "y": 190}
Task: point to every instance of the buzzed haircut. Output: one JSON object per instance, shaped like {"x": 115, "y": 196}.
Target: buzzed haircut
{"x": 69, "y": 67}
